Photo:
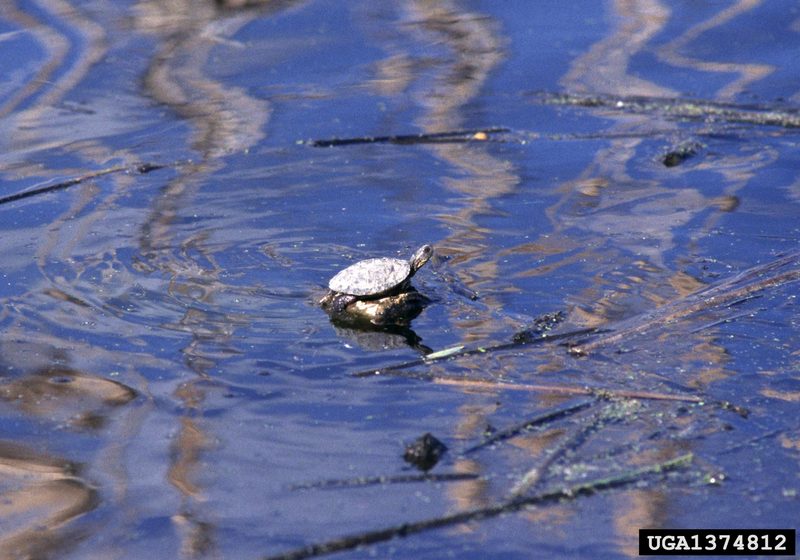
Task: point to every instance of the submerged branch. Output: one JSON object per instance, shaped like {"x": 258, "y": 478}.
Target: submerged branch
{"x": 140, "y": 168}
{"x": 695, "y": 109}
{"x": 460, "y": 352}
{"x": 454, "y": 136}
{"x": 389, "y": 479}
{"x": 564, "y": 493}
{"x": 725, "y": 293}
{"x": 539, "y": 420}
{"x": 567, "y": 390}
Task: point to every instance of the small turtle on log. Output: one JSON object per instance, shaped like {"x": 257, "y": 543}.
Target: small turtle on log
{"x": 378, "y": 290}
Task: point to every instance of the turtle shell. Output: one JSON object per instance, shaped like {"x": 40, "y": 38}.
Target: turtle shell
{"x": 371, "y": 277}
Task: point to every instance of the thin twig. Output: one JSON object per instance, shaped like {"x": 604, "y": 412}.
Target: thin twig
{"x": 140, "y": 168}
{"x": 389, "y": 479}
{"x": 453, "y": 136}
{"x": 567, "y": 390}
{"x": 520, "y": 427}
{"x": 751, "y": 441}
{"x": 723, "y": 321}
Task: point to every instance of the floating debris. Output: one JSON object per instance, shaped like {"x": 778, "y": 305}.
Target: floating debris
{"x": 439, "y": 354}
{"x": 425, "y": 452}
{"x": 681, "y": 153}
{"x": 539, "y": 328}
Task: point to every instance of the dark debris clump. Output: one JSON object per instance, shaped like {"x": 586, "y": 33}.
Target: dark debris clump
{"x": 424, "y": 452}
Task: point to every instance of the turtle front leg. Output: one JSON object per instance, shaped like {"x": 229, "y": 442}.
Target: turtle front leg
{"x": 341, "y": 302}
{"x": 336, "y": 302}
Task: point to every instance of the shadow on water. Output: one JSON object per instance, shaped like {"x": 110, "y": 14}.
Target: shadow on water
{"x": 179, "y": 180}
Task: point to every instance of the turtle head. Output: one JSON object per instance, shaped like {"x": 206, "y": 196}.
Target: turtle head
{"x": 419, "y": 258}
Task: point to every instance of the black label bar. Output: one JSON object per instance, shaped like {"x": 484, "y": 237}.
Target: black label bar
{"x": 720, "y": 542}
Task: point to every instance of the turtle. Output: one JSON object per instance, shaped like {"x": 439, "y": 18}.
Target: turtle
{"x": 378, "y": 289}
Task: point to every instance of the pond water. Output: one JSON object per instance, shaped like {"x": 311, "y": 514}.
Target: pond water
{"x": 169, "y": 386}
